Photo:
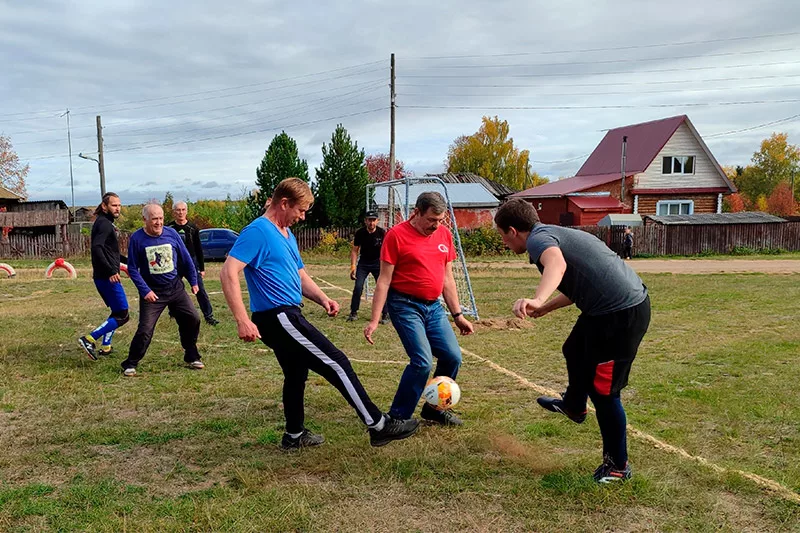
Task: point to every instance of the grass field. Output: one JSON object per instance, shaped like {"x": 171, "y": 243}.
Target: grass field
{"x": 85, "y": 449}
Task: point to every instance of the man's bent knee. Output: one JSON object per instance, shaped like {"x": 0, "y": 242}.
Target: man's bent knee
{"x": 122, "y": 317}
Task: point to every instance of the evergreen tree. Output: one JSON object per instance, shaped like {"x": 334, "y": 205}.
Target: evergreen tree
{"x": 281, "y": 161}
{"x": 341, "y": 182}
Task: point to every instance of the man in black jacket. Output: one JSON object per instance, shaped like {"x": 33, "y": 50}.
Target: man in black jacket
{"x": 106, "y": 260}
{"x": 191, "y": 238}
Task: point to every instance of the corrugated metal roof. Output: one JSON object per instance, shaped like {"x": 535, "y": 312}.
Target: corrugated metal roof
{"x": 461, "y": 194}
{"x": 743, "y": 217}
{"x": 596, "y": 202}
{"x": 645, "y": 141}
{"x": 566, "y": 186}
{"x": 620, "y": 219}
{"x": 498, "y": 189}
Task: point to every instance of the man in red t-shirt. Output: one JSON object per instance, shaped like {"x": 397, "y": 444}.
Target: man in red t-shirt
{"x": 416, "y": 268}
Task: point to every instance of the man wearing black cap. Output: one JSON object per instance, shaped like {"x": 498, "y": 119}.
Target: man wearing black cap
{"x": 368, "y": 241}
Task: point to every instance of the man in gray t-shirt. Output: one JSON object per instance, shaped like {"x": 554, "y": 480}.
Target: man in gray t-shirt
{"x": 615, "y": 315}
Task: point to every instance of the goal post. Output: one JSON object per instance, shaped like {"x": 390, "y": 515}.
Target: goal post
{"x": 394, "y": 201}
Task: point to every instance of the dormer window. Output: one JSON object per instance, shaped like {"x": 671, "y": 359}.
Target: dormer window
{"x": 678, "y": 164}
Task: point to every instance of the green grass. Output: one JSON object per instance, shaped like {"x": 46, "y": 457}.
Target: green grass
{"x": 84, "y": 449}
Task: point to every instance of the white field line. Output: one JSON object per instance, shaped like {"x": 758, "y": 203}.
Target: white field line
{"x": 766, "y": 483}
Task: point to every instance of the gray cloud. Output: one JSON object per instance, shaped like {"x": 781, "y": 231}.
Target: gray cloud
{"x": 191, "y": 95}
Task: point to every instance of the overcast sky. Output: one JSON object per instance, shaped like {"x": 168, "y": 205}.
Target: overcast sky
{"x": 191, "y": 93}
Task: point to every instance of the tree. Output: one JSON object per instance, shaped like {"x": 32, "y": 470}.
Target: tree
{"x": 341, "y": 182}
{"x": 780, "y": 202}
{"x": 281, "y": 161}
{"x": 772, "y": 165}
{"x": 378, "y": 168}
{"x": 167, "y": 205}
{"x": 733, "y": 203}
{"x": 490, "y": 153}
{"x": 12, "y": 172}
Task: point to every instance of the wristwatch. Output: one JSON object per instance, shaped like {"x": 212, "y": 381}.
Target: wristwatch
{"x": 456, "y": 315}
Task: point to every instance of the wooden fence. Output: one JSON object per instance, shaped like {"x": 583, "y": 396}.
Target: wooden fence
{"x": 659, "y": 239}
{"x": 655, "y": 240}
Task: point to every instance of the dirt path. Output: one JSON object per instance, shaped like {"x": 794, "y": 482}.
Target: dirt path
{"x": 689, "y": 266}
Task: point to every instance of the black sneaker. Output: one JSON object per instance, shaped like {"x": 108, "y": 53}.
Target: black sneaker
{"x": 88, "y": 347}
{"x": 557, "y": 405}
{"x": 211, "y": 321}
{"x": 608, "y": 471}
{"x": 393, "y": 429}
{"x": 445, "y": 418}
{"x": 305, "y": 440}
{"x": 352, "y": 317}
{"x": 105, "y": 350}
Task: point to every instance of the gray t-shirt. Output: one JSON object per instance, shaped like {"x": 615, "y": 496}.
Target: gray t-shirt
{"x": 597, "y": 280}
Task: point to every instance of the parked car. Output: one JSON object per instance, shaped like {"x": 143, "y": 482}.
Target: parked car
{"x": 217, "y": 242}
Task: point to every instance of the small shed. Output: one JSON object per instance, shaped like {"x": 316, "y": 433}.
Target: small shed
{"x": 621, "y": 219}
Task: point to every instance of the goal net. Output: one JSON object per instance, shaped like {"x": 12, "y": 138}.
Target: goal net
{"x": 394, "y": 202}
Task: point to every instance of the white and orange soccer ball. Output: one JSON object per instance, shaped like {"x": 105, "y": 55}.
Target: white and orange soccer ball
{"x": 442, "y": 393}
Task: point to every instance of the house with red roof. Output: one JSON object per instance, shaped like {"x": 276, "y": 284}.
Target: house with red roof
{"x": 669, "y": 170}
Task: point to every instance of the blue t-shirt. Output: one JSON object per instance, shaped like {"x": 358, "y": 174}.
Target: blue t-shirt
{"x": 273, "y": 265}
{"x": 157, "y": 263}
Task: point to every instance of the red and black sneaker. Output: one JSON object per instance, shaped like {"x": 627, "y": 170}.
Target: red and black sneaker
{"x": 557, "y": 405}
{"x": 608, "y": 471}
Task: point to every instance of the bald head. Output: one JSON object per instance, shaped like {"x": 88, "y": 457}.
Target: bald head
{"x": 153, "y": 217}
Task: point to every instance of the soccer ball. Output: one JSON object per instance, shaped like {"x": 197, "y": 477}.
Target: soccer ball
{"x": 442, "y": 393}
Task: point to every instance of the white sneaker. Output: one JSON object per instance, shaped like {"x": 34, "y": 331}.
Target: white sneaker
{"x": 129, "y": 372}
{"x": 197, "y": 365}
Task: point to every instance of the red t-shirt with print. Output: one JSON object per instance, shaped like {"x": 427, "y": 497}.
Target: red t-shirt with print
{"x": 419, "y": 261}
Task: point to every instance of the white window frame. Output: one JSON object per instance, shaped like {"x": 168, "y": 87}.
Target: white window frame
{"x": 668, "y": 203}
{"x": 683, "y": 159}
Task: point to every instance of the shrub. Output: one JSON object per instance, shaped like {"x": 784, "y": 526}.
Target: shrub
{"x": 330, "y": 243}
{"x": 484, "y": 240}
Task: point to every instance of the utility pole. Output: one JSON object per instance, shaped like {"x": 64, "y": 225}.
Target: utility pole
{"x": 624, "y": 156}
{"x": 71, "y": 181}
{"x": 100, "y": 157}
{"x": 793, "y": 171}
{"x": 392, "y": 97}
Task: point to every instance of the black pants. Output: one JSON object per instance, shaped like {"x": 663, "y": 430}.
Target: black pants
{"x": 182, "y": 309}
{"x": 362, "y": 273}
{"x": 300, "y": 347}
{"x": 202, "y": 298}
{"x": 599, "y": 353}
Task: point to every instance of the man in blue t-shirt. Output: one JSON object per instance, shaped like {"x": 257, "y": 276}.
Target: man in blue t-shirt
{"x": 157, "y": 259}
{"x": 615, "y": 315}
{"x": 267, "y": 252}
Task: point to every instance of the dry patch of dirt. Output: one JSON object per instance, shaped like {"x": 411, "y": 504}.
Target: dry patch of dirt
{"x": 502, "y": 324}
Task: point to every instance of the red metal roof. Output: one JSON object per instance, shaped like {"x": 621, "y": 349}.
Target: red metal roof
{"x": 645, "y": 141}
{"x": 596, "y": 202}
{"x": 566, "y": 186}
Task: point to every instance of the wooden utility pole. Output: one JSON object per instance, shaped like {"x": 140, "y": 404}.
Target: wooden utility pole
{"x": 100, "y": 157}
{"x": 624, "y": 157}
{"x": 391, "y": 144}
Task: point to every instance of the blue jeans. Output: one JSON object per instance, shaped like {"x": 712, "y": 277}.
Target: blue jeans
{"x": 425, "y": 333}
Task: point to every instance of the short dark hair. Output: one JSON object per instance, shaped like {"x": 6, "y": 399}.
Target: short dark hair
{"x": 431, "y": 200}
{"x": 517, "y": 214}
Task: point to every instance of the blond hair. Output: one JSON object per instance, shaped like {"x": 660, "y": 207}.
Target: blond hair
{"x": 293, "y": 189}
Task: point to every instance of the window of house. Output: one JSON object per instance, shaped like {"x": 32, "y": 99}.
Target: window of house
{"x": 677, "y": 164}
{"x": 675, "y": 207}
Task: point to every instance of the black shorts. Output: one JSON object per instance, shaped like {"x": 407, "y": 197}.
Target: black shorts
{"x": 600, "y": 350}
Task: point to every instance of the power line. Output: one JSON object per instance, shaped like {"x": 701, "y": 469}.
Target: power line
{"x": 604, "y": 84}
{"x": 609, "y": 49}
{"x": 732, "y": 132}
{"x": 239, "y": 134}
{"x": 692, "y": 104}
{"x": 205, "y": 92}
{"x": 612, "y": 61}
{"x": 583, "y": 74}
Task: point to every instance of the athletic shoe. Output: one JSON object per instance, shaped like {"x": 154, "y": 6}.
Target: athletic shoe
{"x": 305, "y": 440}
{"x": 102, "y": 351}
{"x": 384, "y": 319}
{"x": 197, "y": 365}
{"x": 129, "y": 372}
{"x": 445, "y": 418}
{"x": 211, "y": 321}
{"x": 608, "y": 471}
{"x": 557, "y": 405}
{"x": 88, "y": 346}
{"x": 393, "y": 429}
{"x": 352, "y": 317}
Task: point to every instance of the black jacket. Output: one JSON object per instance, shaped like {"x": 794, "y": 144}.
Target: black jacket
{"x": 191, "y": 238}
{"x": 105, "y": 248}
